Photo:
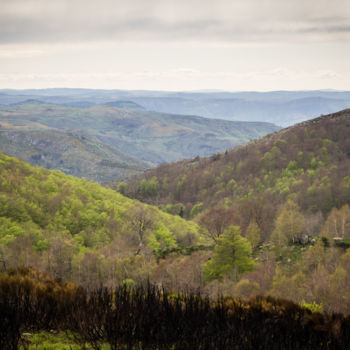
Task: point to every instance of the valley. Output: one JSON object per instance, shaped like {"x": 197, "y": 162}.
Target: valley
{"x": 105, "y": 142}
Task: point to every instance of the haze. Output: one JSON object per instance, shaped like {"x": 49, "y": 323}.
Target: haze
{"x": 175, "y": 45}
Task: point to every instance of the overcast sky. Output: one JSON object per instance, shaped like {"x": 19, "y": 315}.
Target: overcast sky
{"x": 175, "y": 45}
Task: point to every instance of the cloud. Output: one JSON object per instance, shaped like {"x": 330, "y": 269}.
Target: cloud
{"x": 227, "y": 21}
{"x": 182, "y": 79}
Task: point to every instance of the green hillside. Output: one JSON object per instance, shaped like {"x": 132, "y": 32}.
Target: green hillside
{"x": 308, "y": 163}
{"x": 81, "y": 231}
{"x": 74, "y": 153}
{"x": 289, "y": 193}
{"x": 273, "y": 219}
{"x": 148, "y": 136}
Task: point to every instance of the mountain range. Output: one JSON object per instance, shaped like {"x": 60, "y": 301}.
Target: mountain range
{"x": 283, "y": 108}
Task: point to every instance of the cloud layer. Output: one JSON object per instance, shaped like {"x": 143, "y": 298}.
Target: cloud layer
{"x": 226, "y": 21}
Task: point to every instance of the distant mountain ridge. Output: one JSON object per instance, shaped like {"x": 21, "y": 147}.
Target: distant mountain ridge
{"x": 283, "y": 108}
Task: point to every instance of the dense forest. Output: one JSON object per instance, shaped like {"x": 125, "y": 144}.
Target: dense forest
{"x": 288, "y": 192}
{"x": 81, "y": 231}
{"x": 308, "y": 163}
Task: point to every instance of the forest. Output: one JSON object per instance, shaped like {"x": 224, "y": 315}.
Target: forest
{"x": 289, "y": 195}
{"x": 254, "y": 238}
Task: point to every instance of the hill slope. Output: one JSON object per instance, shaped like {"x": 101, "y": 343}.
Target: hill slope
{"x": 74, "y": 153}
{"x": 80, "y": 230}
{"x": 148, "y": 136}
{"x": 309, "y": 163}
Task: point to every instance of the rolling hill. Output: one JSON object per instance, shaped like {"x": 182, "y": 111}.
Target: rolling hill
{"x": 74, "y": 153}
{"x": 113, "y": 137}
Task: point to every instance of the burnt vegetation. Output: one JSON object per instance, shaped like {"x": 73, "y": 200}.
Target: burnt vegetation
{"x": 147, "y": 317}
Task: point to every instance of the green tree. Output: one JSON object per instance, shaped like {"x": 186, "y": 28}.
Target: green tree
{"x": 253, "y": 234}
{"x": 161, "y": 241}
{"x": 289, "y": 287}
{"x": 196, "y": 209}
{"x": 149, "y": 188}
{"x": 246, "y": 289}
{"x": 289, "y": 225}
{"x": 122, "y": 188}
{"x": 232, "y": 256}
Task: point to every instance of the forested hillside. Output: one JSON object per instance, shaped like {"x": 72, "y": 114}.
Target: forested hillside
{"x": 270, "y": 218}
{"x": 107, "y": 142}
{"x": 308, "y": 163}
{"x": 74, "y": 153}
{"x": 81, "y": 231}
{"x": 289, "y": 193}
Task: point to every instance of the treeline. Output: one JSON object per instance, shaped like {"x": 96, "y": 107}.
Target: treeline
{"x": 147, "y": 317}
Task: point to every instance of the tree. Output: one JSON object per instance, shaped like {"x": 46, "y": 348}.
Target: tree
{"x": 289, "y": 225}
{"x": 216, "y": 221}
{"x": 232, "y": 256}
{"x": 149, "y": 188}
{"x": 141, "y": 221}
{"x": 122, "y": 188}
{"x": 253, "y": 234}
{"x": 246, "y": 289}
{"x": 289, "y": 287}
{"x": 161, "y": 241}
{"x": 196, "y": 209}
{"x": 337, "y": 223}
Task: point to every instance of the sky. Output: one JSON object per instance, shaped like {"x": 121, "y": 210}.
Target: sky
{"x": 233, "y": 45}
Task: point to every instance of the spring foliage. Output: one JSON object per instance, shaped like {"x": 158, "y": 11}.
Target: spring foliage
{"x": 232, "y": 256}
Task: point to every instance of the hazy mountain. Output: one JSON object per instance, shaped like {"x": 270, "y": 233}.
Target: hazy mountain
{"x": 124, "y": 104}
{"x": 282, "y": 111}
{"x": 280, "y": 107}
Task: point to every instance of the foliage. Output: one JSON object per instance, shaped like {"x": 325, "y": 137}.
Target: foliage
{"x": 253, "y": 234}
{"x": 289, "y": 225}
{"x": 149, "y": 188}
{"x": 232, "y": 256}
{"x": 308, "y": 163}
{"x": 338, "y": 223}
{"x": 313, "y": 307}
{"x": 161, "y": 241}
{"x": 79, "y": 230}
{"x": 196, "y": 209}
